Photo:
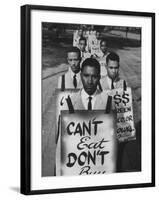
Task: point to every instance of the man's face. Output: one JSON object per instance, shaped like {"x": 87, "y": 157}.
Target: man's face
{"x": 90, "y": 78}
{"x": 74, "y": 61}
{"x": 97, "y": 35}
{"x": 80, "y": 32}
{"x": 113, "y": 69}
{"x": 103, "y": 46}
{"x": 82, "y": 45}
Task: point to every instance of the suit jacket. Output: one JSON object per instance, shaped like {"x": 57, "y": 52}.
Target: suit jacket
{"x": 118, "y": 83}
{"x": 100, "y": 102}
{"x": 67, "y": 81}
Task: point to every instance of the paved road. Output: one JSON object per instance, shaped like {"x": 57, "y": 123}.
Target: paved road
{"x": 49, "y": 84}
{"x": 119, "y": 33}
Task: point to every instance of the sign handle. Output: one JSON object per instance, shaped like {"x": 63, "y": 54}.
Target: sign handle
{"x": 63, "y": 82}
{"x": 58, "y": 129}
{"x": 70, "y": 106}
{"x": 108, "y": 105}
{"x": 124, "y": 85}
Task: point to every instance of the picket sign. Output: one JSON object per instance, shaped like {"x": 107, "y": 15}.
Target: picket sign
{"x": 61, "y": 97}
{"x": 95, "y": 48}
{"x": 87, "y": 144}
{"x": 122, "y": 104}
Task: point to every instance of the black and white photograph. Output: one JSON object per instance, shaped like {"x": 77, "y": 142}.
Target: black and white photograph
{"x": 88, "y": 94}
{"x": 89, "y": 65}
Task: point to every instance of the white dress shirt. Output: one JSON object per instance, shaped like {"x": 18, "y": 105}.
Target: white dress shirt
{"x": 77, "y": 76}
{"x": 102, "y": 60}
{"x": 69, "y": 83}
{"x": 110, "y": 82}
{"x": 85, "y": 99}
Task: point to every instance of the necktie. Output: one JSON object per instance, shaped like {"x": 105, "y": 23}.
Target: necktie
{"x": 74, "y": 81}
{"x": 89, "y": 103}
{"x": 112, "y": 85}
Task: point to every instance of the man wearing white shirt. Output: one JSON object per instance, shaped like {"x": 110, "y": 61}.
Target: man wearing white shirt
{"x": 71, "y": 79}
{"x": 76, "y": 36}
{"x": 101, "y": 56}
{"x": 95, "y": 44}
{"x": 82, "y": 46}
{"x": 112, "y": 79}
{"x": 90, "y": 97}
{"x": 85, "y": 99}
{"x": 103, "y": 49}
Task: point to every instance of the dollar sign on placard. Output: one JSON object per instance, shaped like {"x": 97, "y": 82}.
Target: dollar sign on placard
{"x": 117, "y": 98}
{"x": 125, "y": 98}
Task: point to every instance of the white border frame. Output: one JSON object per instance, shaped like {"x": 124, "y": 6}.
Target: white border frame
{"x": 40, "y": 183}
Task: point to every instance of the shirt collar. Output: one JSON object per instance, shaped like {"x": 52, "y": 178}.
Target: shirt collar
{"x": 85, "y": 95}
{"x": 72, "y": 73}
{"x": 110, "y": 80}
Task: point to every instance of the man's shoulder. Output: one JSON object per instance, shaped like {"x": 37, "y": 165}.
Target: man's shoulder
{"x": 120, "y": 81}
{"x": 101, "y": 100}
{"x": 75, "y": 95}
{"x": 67, "y": 73}
{"x": 102, "y": 95}
{"x": 76, "y": 100}
{"x": 63, "y": 69}
{"x": 65, "y": 78}
{"x": 104, "y": 79}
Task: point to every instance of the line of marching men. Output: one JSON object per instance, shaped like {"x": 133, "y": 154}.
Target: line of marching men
{"x": 93, "y": 73}
{"x": 92, "y": 69}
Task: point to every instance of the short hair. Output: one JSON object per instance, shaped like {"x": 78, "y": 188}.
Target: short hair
{"x": 112, "y": 56}
{"x": 74, "y": 49}
{"x": 91, "y": 62}
{"x": 83, "y": 38}
{"x": 103, "y": 40}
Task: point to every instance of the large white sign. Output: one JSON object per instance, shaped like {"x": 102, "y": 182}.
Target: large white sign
{"x": 122, "y": 102}
{"x": 88, "y": 143}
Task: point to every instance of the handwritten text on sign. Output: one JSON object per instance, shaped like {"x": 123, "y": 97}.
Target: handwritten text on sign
{"x": 88, "y": 143}
{"x": 61, "y": 99}
{"x": 122, "y": 102}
